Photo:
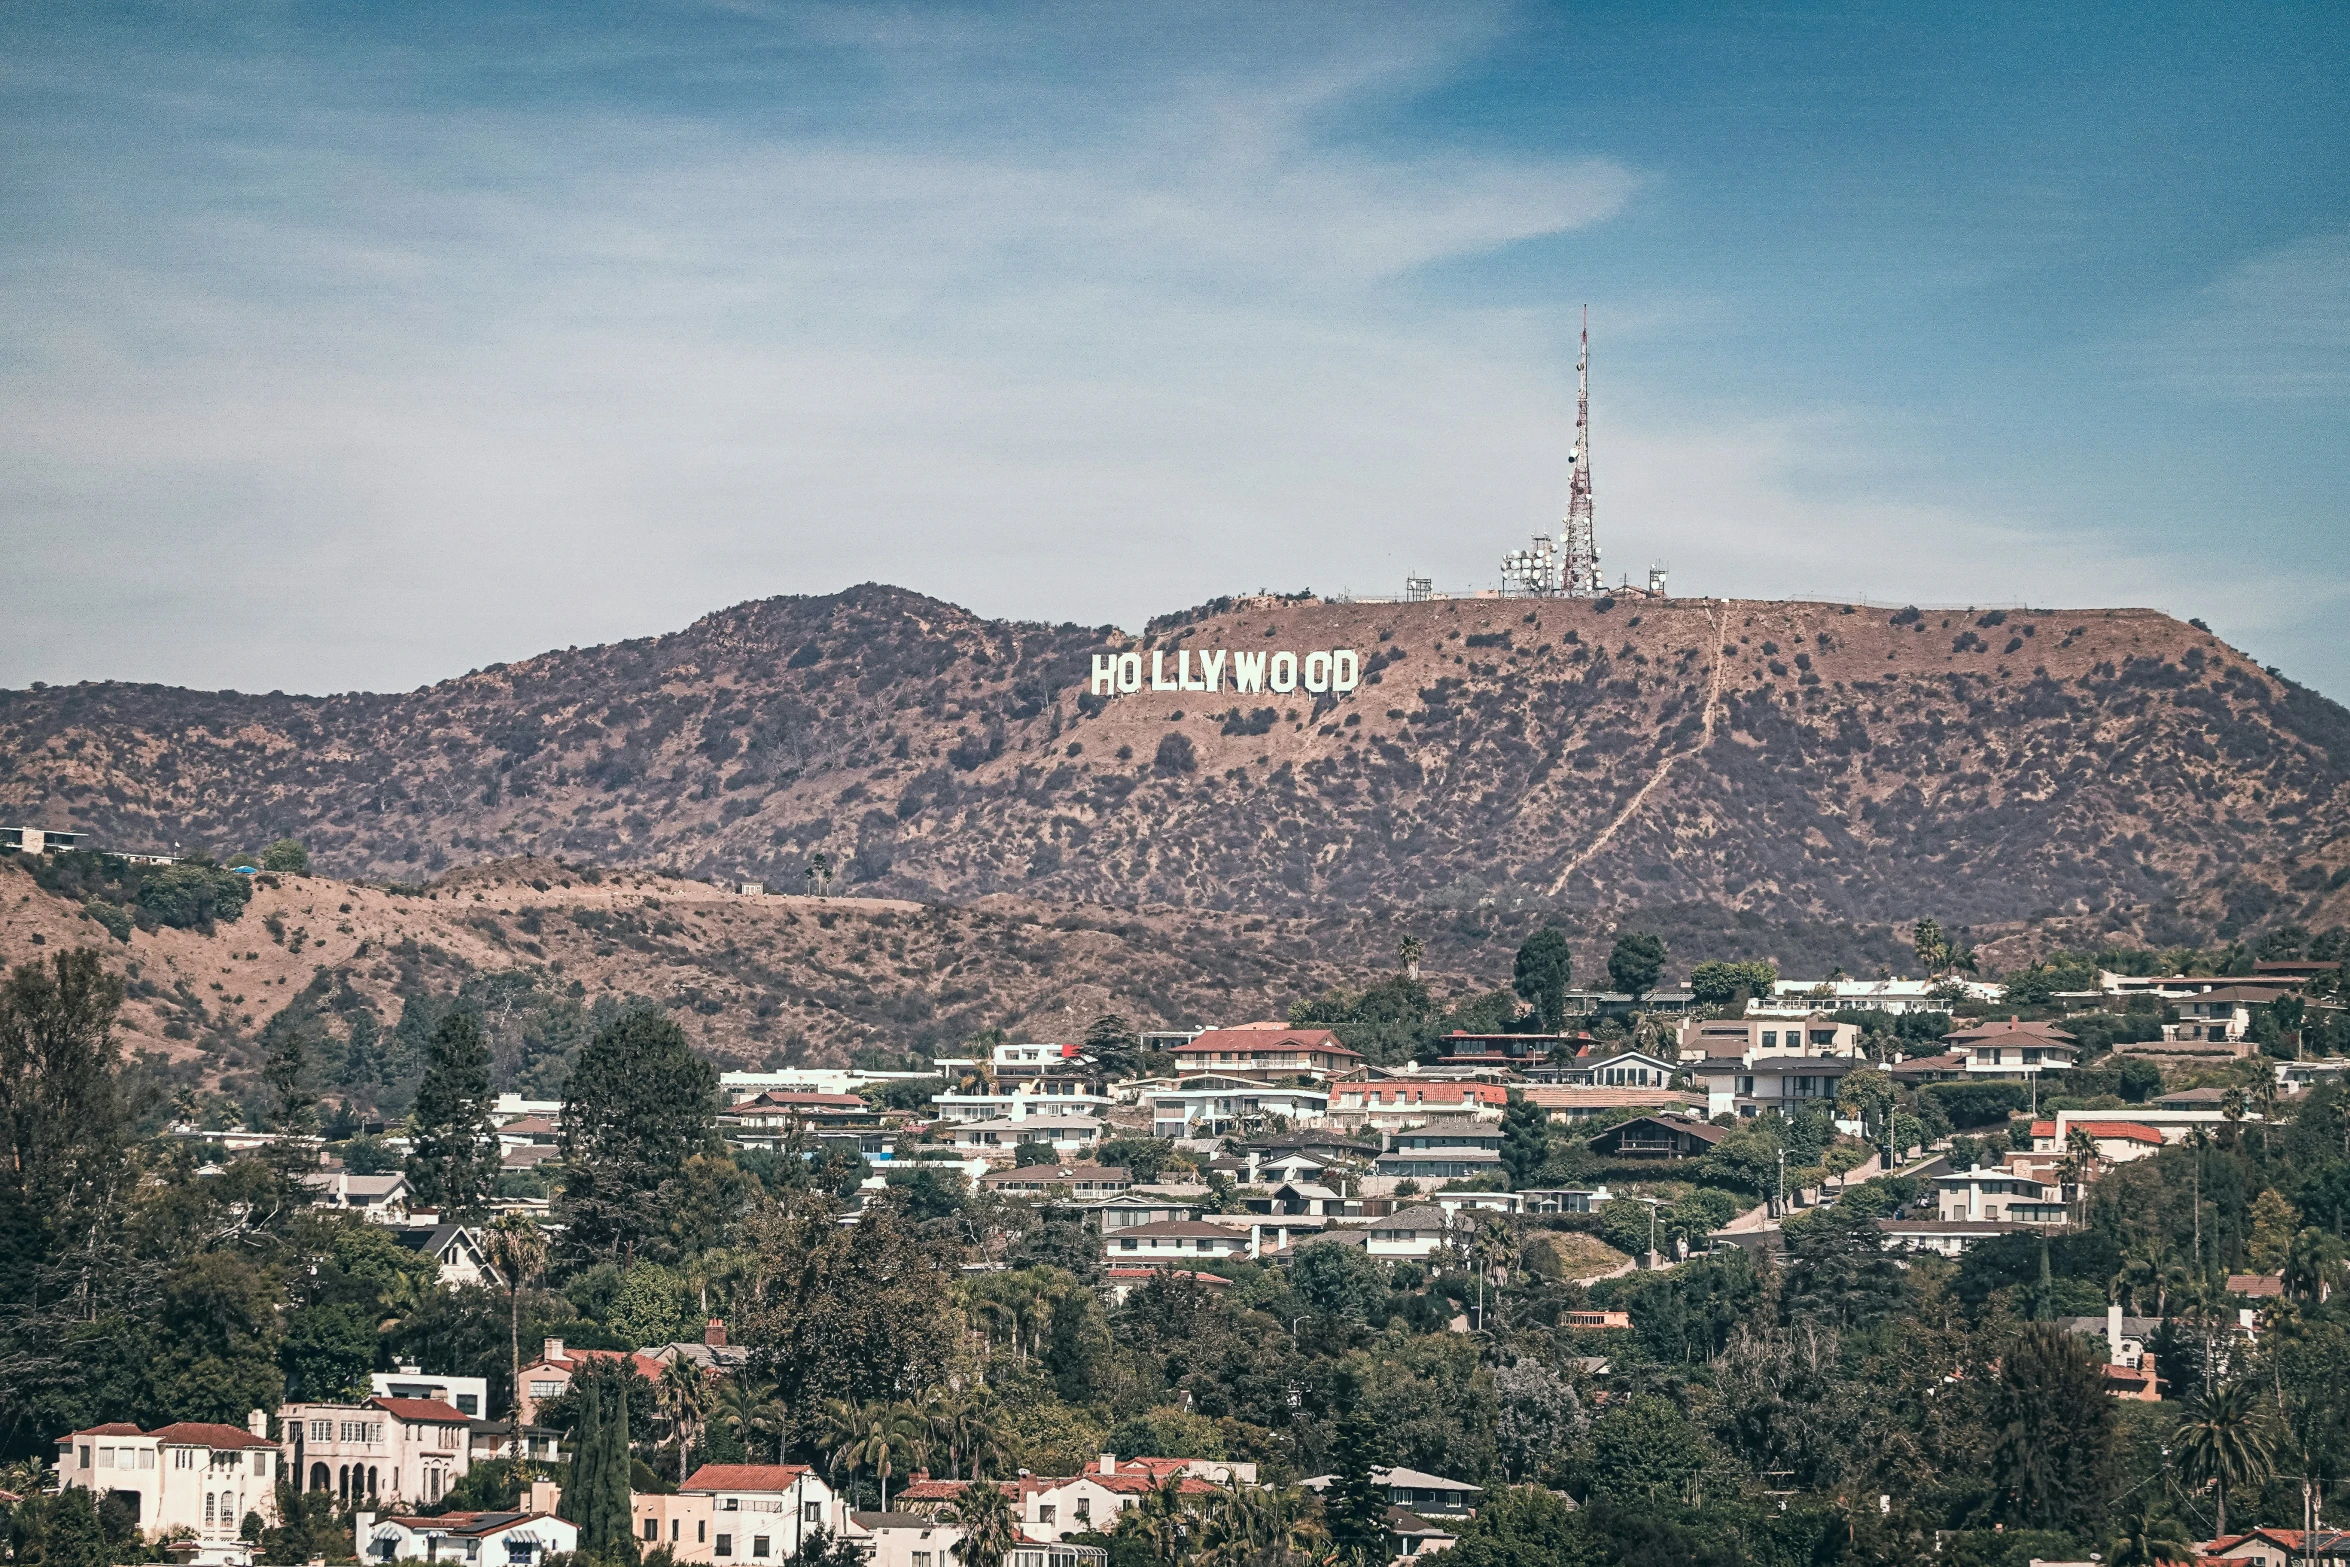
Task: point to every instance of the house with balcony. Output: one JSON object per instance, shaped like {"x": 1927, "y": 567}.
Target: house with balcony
{"x": 1427, "y": 1495}
{"x": 1753, "y": 1038}
{"x": 1385, "y": 1103}
{"x": 384, "y": 1450}
{"x": 2001, "y": 1192}
{"x": 1268, "y": 1052}
{"x": 1082, "y": 1182}
{"x": 1173, "y": 1243}
{"x": 1217, "y": 1104}
{"x": 2012, "y": 1049}
{"x": 516, "y": 1537}
{"x": 1065, "y": 1135}
{"x": 1023, "y": 1099}
{"x": 1657, "y": 1137}
{"x": 193, "y": 1480}
{"x": 380, "y": 1198}
{"x": 1781, "y": 1083}
{"x": 729, "y": 1513}
{"x": 1511, "y": 1052}
{"x": 1445, "y": 1149}
{"x": 780, "y": 1115}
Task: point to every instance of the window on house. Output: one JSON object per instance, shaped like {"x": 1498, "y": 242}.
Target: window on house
{"x": 811, "y": 1512}
{"x": 539, "y": 1389}
{"x": 106, "y": 1458}
{"x": 652, "y": 1528}
{"x": 146, "y": 1458}
{"x": 322, "y": 1430}
{"x": 468, "y": 1404}
{"x": 1046, "y": 1513}
{"x": 921, "y": 1559}
{"x": 724, "y": 1546}
{"x": 759, "y": 1545}
{"x": 701, "y": 1530}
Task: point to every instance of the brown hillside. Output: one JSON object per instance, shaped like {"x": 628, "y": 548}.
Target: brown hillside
{"x": 1781, "y": 761}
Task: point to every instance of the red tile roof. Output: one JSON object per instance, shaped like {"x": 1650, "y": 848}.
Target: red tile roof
{"x": 744, "y": 1477}
{"x": 428, "y": 1411}
{"x": 2132, "y": 1131}
{"x": 1253, "y": 1037}
{"x": 198, "y": 1433}
{"x": 111, "y": 1428}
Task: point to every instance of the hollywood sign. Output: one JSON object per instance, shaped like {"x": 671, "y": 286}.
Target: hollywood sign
{"x": 1337, "y": 669}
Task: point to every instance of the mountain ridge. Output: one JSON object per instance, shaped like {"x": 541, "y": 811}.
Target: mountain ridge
{"x": 1773, "y": 759}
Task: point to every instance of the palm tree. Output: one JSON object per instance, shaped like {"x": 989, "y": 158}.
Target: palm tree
{"x": 883, "y": 1434}
{"x": 2223, "y": 1441}
{"x": 984, "y": 1514}
{"x": 965, "y": 1425}
{"x": 686, "y": 1397}
{"x": 517, "y": 1248}
{"x": 2079, "y": 1167}
{"x": 750, "y": 1409}
{"x": 2152, "y": 1539}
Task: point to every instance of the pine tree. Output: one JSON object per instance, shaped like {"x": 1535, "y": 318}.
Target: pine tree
{"x": 1541, "y": 975}
{"x": 1525, "y": 1140}
{"x": 363, "y": 1049}
{"x": 1355, "y": 1508}
{"x": 639, "y": 1104}
{"x": 454, "y": 1165}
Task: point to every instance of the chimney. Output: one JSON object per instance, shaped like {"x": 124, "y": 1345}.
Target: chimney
{"x": 1109, "y": 1463}
{"x": 714, "y": 1334}
{"x": 543, "y": 1497}
{"x": 361, "y": 1524}
{"x": 552, "y": 1350}
{"x": 409, "y": 1368}
{"x": 1252, "y": 1174}
{"x": 257, "y": 1423}
{"x": 2113, "y": 1333}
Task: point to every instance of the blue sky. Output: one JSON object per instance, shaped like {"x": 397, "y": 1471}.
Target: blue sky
{"x": 354, "y": 346}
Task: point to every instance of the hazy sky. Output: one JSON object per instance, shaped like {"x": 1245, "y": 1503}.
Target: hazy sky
{"x": 357, "y": 345}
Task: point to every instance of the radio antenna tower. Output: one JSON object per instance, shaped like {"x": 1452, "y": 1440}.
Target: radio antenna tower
{"x": 1577, "y": 543}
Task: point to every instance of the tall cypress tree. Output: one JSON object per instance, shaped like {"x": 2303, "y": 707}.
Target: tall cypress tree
{"x": 619, "y": 1539}
{"x": 587, "y": 1447}
{"x": 454, "y": 1163}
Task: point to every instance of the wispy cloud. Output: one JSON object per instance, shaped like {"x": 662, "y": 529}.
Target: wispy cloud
{"x": 2274, "y": 327}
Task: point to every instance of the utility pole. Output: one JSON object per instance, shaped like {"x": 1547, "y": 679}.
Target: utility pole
{"x": 1782, "y": 1213}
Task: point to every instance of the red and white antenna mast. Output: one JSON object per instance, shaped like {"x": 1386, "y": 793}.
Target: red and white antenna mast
{"x": 1577, "y": 544}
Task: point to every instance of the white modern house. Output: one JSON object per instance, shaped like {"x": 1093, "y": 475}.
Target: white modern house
{"x": 1063, "y": 1134}
{"x": 1213, "y": 1105}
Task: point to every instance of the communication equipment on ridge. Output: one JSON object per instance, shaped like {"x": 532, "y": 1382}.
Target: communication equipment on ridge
{"x": 1656, "y": 582}
{"x": 1532, "y": 571}
{"x": 1418, "y": 590}
{"x": 1577, "y": 542}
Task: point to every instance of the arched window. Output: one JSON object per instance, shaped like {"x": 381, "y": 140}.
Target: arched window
{"x": 208, "y": 1509}
{"x": 319, "y": 1478}
{"x": 343, "y": 1482}
{"x": 371, "y": 1479}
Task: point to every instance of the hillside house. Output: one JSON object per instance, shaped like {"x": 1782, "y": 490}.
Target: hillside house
{"x": 518, "y": 1537}
{"x": 1024, "y": 1099}
{"x": 1415, "y": 1232}
{"x": 392, "y": 1450}
{"x": 2011, "y": 1048}
{"x": 1267, "y": 1052}
{"x": 1784, "y": 1083}
{"x": 1064, "y": 1135}
{"x": 550, "y": 1375}
{"x": 1751, "y": 1038}
{"x": 2000, "y": 1192}
{"x": 749, "y": 1513}
{"x": 1566, "y": 1106}
{"x": 1081, "y": 1181}
{"x": 1657, "y": 1137}
{"x": 1218, "y": 1104}
{"x": 1444, "y": 1149}
{"x": 1383, "y": 1104}
{"x": 1172, "y": 1243}
{"x": 1430, "y": 1496}
{"x": 192, "y": 1476}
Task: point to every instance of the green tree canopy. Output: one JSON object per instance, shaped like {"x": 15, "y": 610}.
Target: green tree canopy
{"x": 1541, "y": 975}
{"x": 453, "y": 1166}
{"x": 639, "y": 1104}
{"x": 1636, "y": 963}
